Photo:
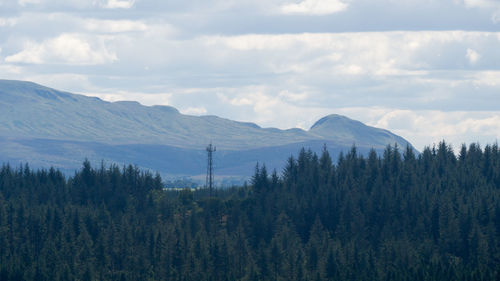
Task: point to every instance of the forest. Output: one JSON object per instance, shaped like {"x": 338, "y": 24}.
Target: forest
{"x": 401, "y": 215}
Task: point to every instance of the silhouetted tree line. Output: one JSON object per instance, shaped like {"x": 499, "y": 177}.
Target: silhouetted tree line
{"x": 396, "y": 216}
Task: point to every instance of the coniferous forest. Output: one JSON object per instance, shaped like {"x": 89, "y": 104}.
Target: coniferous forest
{"x": 402, "y": 215}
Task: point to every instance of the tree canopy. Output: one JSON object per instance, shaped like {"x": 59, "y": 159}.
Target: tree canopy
{"x": 396, "y": 216}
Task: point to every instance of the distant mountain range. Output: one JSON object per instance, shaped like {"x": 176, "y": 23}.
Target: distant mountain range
{"x": 47, "y": 127}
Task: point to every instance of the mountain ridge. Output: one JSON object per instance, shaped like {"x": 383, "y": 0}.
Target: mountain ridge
{"x": 33, "y": 115}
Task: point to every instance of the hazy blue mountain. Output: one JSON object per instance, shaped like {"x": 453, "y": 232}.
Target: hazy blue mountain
{"x": 347, "y": 131}
{"x": 47, "y": 127}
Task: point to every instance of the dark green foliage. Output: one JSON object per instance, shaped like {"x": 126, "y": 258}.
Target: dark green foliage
{"x": 402, "y": 216}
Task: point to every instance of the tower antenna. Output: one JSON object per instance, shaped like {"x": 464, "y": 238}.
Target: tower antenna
{"x": 210, "y": 168}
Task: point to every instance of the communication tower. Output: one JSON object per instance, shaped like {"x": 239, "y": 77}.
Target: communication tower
{"x": 210, "y": 168}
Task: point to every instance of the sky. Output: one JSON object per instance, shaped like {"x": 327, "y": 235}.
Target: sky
{"x": 427, "y": 70}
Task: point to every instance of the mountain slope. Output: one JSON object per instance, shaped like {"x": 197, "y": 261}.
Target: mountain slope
{"x": 32, "y": 110}
{"x": 48, "y": 127}
{"x": 348, "y": 131}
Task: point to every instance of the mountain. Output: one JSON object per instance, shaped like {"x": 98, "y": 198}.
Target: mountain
{"x": 348, "y": 131}
{"x": 46, "y": 127}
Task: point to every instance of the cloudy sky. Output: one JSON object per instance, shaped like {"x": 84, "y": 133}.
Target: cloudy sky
{"x": 428, "y": 70}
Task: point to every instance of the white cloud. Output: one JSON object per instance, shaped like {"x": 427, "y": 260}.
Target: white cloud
{"x": 24, "y": 2}
{"x": 147, "y": 99}
{"x": 351, "y": 69}
{"x": 65, "y": 49}
{"x": 249, "y": 42}
{"x": 8, "y": 22}
{"x": 495, "y": 18}
{"x": 119, "y": 4}
{"x": 481, "y": 3}
{"x": 490, "y": 5}
{"x": 472, "y": 56}
{"x": 426, "y": 127}
{"x": 8, "y": 70}
{"x": 113, "y": 26}
{"x": 260, "y": 105}
{"x": 239, "y": 101}
{"x": 71, "y": 82}
{"x": 486, "y": 78}
{"x": 380, "y": 54}
{"x": 194, "y": 110}
{"x": 314, "y": 7}
{"x": 293, "y": 97}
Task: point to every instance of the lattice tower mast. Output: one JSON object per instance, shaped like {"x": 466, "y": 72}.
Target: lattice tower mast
{"x": 210, "y": 168}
